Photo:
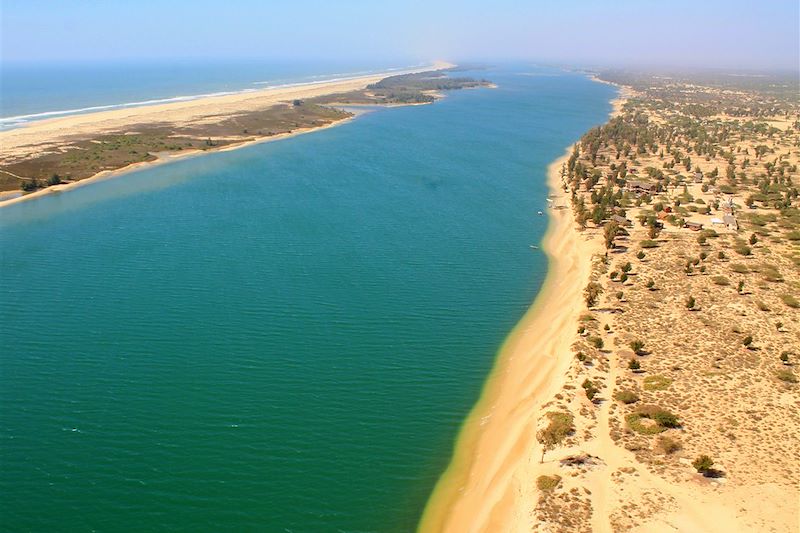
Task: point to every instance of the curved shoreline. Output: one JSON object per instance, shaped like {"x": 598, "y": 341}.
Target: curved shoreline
{"x": 53, "y": 132}
{"x": 482, "y": 483}
{"x": 478, "y": 490}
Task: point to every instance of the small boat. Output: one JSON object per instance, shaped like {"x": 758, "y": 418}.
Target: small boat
{"x": 534, "y": 247}
{"x": 539, "y": 213}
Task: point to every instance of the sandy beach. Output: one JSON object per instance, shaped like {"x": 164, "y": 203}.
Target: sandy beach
{"x": 492, "y": 481}
{"x": 490, "y": 472}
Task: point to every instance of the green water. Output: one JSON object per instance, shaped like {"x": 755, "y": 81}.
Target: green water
{"x": 280, "y": 338}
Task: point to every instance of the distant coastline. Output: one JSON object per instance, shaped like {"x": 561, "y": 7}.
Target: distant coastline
{"x": 325, "y": 100}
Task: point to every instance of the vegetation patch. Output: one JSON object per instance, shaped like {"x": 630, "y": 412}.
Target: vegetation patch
{"x": 626, "y": 396}
{"x": 547, "y": 483}
{"x": 668, "y": 445}
{"x": 739, "y": 268}
{"x": 653, "y": 383}
{"x": 790, "y": 300}
{"x": 650, "y": 420}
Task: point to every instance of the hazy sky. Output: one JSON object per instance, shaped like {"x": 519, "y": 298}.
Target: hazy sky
{"x": 723, "y": 33}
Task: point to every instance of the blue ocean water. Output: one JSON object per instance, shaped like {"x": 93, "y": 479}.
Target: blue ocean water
{"x": 33, "y": 91}
{"x": 285, "y": 337}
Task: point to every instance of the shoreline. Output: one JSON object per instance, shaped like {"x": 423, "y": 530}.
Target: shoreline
{"x": 478, "y": 489}
{"x": 491, "y": 470}
{"x": 170, "y": 157}
{"x": 51, "y": 133}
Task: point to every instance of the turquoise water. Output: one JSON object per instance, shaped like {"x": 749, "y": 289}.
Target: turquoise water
{"x": 284, "y": 337}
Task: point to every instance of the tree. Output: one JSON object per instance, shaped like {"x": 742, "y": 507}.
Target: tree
{"x": 740, "y": 287}
{"x": 55, "y": 179}
{"x": 558, "y": 428}
{"x": 753, "y": 239}
{"x": 592, "y": 292}
{"x": 610, "y": 233}
{"x": 690, "y": 303}
{"x": 640, "y": 255}
{"x": 748, "y": 341}
{"x": 634, "y": 364}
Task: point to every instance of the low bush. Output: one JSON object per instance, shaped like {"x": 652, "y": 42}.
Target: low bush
{"x": 703, "y": 464}
{"x": 790, "y": 300}
{"x": 547, "y": 483}
{"x": 653, "y": 383}
{"x": 626, "y": 396}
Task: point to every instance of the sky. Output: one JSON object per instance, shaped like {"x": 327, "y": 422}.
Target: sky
{"x": 763, "y": 34}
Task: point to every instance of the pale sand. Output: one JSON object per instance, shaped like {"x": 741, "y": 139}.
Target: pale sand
{"x": 52, "y": 134}
{"x": 488, "y": 477}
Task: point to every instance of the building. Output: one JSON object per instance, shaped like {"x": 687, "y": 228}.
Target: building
{"x": 622, "y": 221}
{"x": 694, "y": 226}
{"x": 640, "y": 187}
{"x": 730, "y": 222}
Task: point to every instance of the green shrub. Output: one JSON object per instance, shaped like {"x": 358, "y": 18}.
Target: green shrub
{"x": 597, "y": 342}
{"x": 590, "y": 388}
{"x": 787, "y": 376}
{"x": 626, "y": 396}
{"x": 662, "y": 420}
{"x": 648, "y": 243}
{"x": 703, "y": 464}
{"x": 637, "y": 346}
{"x": 721, "y": 280}
{"x": 666, "y": 419}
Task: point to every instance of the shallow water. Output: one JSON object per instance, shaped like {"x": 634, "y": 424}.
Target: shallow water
{"x": 285, "y": 337}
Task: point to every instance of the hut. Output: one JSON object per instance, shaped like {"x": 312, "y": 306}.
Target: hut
{"x": 622, "y": 221}
{"x": 694, "y": 226}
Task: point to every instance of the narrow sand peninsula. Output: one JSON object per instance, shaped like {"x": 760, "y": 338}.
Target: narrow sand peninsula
{"x": 490, "y": 472}
{"x": 166, "y": 157}
{"x": 58, "y": 134}
{"x": 52, "y": 133}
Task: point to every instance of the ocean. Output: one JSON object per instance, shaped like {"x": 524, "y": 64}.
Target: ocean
{"x": 285, "y": 337}
{"x": 36, "y": 91}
